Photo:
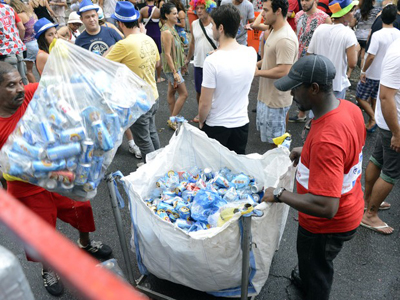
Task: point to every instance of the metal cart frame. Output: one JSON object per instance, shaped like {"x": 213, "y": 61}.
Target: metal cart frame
{"x": 246, "y": 247}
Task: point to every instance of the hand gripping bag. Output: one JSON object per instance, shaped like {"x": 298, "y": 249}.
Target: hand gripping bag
{"x": 208, "y": 260}
{"x": 75, "y": 122}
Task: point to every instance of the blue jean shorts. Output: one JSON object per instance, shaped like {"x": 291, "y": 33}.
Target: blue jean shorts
{"x": 170, "y": 77}
{"x": 270, "y": 122}
{"x": 32, "y": 50}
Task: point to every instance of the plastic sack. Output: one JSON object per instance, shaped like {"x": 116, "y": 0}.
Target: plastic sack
{"x": 75, "y": 122}
{"x": 170, "y": 253}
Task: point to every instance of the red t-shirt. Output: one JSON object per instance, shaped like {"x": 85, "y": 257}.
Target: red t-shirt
{"x": 7, "y": 125}
{"x": 331, "y": 164}
{"x": 292, "y": 11}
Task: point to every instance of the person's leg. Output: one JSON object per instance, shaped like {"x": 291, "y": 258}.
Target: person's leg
{"x": 152, "y": 126}
{"x": 219, "y": 133}
{"x": 182, "y": 96}
{"x": 158, "y": 70}
{"x": 383, "y": 185}
{"x": 198, "y": 79}
{"x": 141, "y": 134}
{"x": 43, "y": 205}
{"x": 80, "y": 216}
{"x": 131, "y": 144}
{"x": 171, "y": 98}
{"x": 263, "y": 124}
{"x": 238, "y": 139}
{"x": 316, "y": 253}
{"x": 29, "y": 71}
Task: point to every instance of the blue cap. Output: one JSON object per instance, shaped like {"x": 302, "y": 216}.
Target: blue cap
{"x": 41, "y": 26}
{"x": 86, "y": 5}
{"x": 125, "y": 12}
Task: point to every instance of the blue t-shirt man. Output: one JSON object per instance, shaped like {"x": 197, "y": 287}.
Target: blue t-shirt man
{"x": 98, "y": 43}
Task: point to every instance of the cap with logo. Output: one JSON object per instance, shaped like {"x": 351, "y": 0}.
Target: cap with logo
{"x": 308, "y": 69}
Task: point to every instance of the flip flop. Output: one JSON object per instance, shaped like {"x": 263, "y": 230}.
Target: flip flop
{"x": 384, "y": 206}
{"x": 377, "y": 228}
{"x": 196, "y": 119}
{"x": 160, "y": 80}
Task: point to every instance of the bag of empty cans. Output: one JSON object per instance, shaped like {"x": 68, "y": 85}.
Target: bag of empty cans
{"x": 75, "y": 122}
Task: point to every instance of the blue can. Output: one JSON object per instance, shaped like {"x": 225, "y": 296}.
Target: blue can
{"x": 240, "y": 181}
{"x": 163, "y": 215}
{"x": 16, "y": 170}
{"x": 82, "y": 174}
{"x": 221, "y": 181}
{"x": 168, "y": 208}
{"x": 20, "y": 146}
{"x": 55, "y": 117}
{"x": 47, "y": 133}
{"x": 95, "y": 169}
{"x": 183, "y": 210}
{"x": 47, "y": 166}
{"x": 87, "y": 152}
{"x": 90, "y": 186}
{"x": 102, "y": 135}
{"x": 72, "y": 163}
{"x": 72, "y": 135}
{"x": 123, "y": 113}
{"x": 113, "y": 125}
{"x": 184, "y": 224}
{"x": 208, "y": 173}
{"x": 64, "y": 151}
{"x": 141, "y": 102}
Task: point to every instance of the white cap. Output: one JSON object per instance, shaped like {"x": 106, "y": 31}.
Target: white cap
{"x": 74, "y": 18}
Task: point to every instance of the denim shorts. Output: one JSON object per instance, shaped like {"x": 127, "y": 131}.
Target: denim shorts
{"x": 270, "y": 122}
{"x": 170, "y": 77}
{"x": 32, "y": 50}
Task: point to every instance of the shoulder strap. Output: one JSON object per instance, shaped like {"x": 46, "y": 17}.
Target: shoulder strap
{"x": 205, "y": 33}
{"x": 148, "y": 20}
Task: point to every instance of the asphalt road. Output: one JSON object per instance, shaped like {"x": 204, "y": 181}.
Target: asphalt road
{"x": 367, "y": 268}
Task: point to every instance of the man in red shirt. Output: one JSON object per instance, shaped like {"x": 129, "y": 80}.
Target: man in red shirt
{"x": 14, "y": 100}
{"x": 329, "y": 197}
{"x": 12, "y": 32}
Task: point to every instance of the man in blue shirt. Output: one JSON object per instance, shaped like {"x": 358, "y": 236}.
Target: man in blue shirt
{"x": 95, "y": 38}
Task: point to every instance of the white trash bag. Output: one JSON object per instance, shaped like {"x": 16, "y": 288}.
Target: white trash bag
{"x": 207, "y": 260}
{"x": 75, "y": 122}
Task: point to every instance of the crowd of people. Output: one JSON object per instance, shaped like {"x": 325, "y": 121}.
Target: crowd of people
{"x": 308, "y": 50}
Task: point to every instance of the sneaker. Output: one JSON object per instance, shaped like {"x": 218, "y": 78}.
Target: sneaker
{"x": 295, "y": 278}
{"x": 136, "y": 151}
{"x": 52, "y": 282}
{"x": 97, "y": 249}
{"x": 172, "y": 125}
{"x": 297, "y": 119}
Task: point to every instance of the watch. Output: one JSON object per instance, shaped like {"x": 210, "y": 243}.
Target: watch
{"x": 277, "y": 193}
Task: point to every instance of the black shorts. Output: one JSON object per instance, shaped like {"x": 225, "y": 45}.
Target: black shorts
{"x": 363, "y": 44}
{"x": 234, "y": 139}
{"x": 386, "y": 158}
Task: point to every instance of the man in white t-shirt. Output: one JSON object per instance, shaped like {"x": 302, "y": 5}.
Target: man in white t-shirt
{"x": 280, "y": 53}
{"x": 338, "y": 43}
{"x": 200, "y": 44}
{"x": 108, "y": 7}
{"x": 246, "y": 16}
{"x": 368, "y": 85}
{"x": 228, "y": 74}
{"x": 383, "y": 170}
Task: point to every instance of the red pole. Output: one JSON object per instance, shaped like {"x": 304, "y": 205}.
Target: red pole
{"x": 76, "y": 268}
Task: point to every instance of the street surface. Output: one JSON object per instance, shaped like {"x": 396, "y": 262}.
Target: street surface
{"x": 368, "y": 268}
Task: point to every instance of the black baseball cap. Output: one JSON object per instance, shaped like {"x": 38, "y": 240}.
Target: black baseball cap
{"x": 308, "y": 69}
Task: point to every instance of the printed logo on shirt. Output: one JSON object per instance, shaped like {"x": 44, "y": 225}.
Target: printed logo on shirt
{"x": 99, "y": 47}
